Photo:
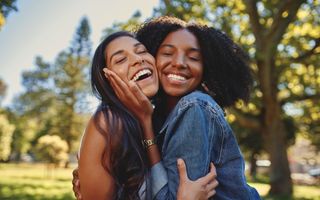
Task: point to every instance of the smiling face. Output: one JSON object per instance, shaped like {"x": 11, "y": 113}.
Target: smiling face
{"x": 179, "y": 63}
{"x": 130, "y": 60}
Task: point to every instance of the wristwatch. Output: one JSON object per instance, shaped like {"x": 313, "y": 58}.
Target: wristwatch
{"x": 148, "y": 143}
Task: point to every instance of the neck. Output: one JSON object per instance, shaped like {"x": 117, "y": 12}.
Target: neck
{"x": 171, "y": 102}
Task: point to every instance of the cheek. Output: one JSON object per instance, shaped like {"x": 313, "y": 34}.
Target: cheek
{"x": 198, "y": 71}
{"x": 161, "y": 63}
{"x": 121, "y": 72}
{"x": 159, "y": 66}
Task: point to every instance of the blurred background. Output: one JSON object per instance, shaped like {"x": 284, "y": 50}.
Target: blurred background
{"x": 45, "y": 98}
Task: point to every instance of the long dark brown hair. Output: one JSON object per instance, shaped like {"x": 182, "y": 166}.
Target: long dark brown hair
{"x": 122, "y": 132}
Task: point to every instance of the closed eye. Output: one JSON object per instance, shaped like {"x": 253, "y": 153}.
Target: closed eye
{"x": 120, "y": 60}
{"x": 166, "y": 54}
{"x": 142, "y": 52}
{"x": 194, "y": 58}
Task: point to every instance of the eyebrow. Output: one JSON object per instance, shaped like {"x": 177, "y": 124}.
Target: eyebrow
{"x": 137, "y": 44}
{"x": 121, "y": 51}
{"x": 166, "y": 45}
{"x": 172, "y": 46}
{"x": 194, "y": 49}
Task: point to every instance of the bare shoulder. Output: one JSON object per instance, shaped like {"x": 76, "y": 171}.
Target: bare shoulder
{"x": 95, "y": 181}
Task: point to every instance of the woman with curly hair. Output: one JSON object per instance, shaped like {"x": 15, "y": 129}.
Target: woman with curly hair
{"x": 201, "y": 71}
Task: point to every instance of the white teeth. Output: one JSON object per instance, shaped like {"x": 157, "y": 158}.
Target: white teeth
{"x": 176, "y": 77}
{"x": 141, "y": 73}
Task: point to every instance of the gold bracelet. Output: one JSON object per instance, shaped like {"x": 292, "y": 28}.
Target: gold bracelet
{"x": 148, "y": 143}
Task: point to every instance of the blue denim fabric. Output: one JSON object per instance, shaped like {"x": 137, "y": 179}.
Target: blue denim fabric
{"x": 197, "y": 132}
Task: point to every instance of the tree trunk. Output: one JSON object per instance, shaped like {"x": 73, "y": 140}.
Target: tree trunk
{"x": 67, "y": 163}
{"x": 280, "y": 180}
{"x": 274, "y": 132}
{"x": 253, "y": 165}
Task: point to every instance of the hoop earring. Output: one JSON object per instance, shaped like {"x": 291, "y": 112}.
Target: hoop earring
{"x": 204, "y": 86}
{"x": 206, "y": 89}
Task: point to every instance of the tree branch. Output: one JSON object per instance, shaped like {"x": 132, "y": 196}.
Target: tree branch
{"x": 245, "y": 120}
{"x": 299, "y": 98}
{"x": 251, "y": 7}
{"x": 280, "y": 22}
{"x": 308, "y": 53}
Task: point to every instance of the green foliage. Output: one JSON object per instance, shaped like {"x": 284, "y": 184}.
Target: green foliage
{"x": 130, "y": 25}
{"x": 3, "y": 88}
{"x": 71, "y": 81}
{"x": 52, "y": 149}
{"x": 39, "y": 92}
{"x": 32, "y": 109}
{"x": 6, "y": 131}
{"x": 183, "y": 9}
{"x": 6, "y": 6}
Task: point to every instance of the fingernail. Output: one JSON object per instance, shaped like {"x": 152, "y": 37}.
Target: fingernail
{"x": 107, "y": 76}
{"x": 179, "y": 161}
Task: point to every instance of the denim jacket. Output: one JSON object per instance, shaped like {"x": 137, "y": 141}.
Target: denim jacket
{"x": 197, "y": 132}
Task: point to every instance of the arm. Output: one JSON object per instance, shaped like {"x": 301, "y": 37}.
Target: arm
{"x": 96, "y": 183}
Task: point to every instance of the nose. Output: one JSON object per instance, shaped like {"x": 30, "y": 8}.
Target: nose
{"x": 136, "y": 60}
{"x": 179, "y": 61}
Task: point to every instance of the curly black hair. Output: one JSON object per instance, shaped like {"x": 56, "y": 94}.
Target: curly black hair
{"x": 226, "y": 72}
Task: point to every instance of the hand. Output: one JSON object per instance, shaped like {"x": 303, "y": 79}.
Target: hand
{"x": 200, "y": 189}
{"x": 76, "y": 184}
{"x": 131, "y": 96}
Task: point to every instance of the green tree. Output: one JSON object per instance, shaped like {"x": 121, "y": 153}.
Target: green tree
{"x": 6, "y": 130}
{"x": 33, "y": 109}
{"x": 3, "y": 88}
{"x": 72, "y": 85}
{"x": 52, "y": 149}
{"x": 129, "y": 25}
{"x": 6, "y": 6}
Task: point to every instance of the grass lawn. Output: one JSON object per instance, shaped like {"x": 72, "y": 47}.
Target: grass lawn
{"x": 36, "y": 182}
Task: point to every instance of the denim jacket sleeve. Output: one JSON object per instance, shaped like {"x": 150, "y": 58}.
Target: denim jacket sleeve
{"x": 187, "y": 137}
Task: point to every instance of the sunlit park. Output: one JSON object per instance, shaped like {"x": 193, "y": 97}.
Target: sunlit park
{"x": 46, "y": 48}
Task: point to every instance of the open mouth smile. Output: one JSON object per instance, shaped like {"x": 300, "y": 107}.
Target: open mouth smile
{"x": 141, "y": 75}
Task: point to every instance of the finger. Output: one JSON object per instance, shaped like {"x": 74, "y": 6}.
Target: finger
{"x": 105, "y": 70}
{"x": 75, "y": 172}
{"x": 76, "y": 189}
{"x": 211, "y": 176}
{"x": 116, "y": 87}
{"x": 118, "y": 81}
{"x": 212, "y": 185}
{"x": 137, "y": 92}
{"x": 119, "y": 93}
{"x": 121, "y": 88}
{"x": 79, "y": 197}
{"x": 211, "y": 193}
{"x": 183, "y": 176}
